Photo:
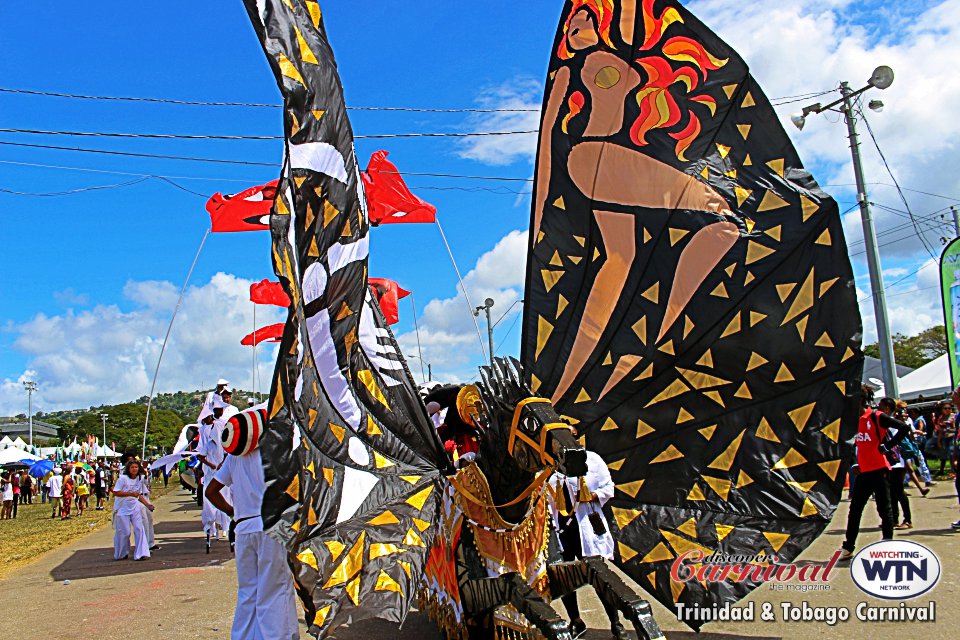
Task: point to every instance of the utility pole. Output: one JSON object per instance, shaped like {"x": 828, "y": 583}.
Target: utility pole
{"x": 881, "y": 78}
{"x": 30, "y": 386}
{"x": 888, "y": 363}
{"x": 429, "y": 371}
{"x": 104, "y": 416}
{"x": 487, "y": 305}
{"x": 956, "y": 220}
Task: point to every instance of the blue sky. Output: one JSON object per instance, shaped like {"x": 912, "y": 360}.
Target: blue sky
{"x": 87, "y": 271}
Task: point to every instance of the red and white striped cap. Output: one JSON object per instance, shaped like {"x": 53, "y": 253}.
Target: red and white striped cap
{"x": 242, "y": 433}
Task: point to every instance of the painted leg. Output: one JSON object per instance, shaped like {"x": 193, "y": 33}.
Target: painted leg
{"x": 700, "y": 257}
{"x": 482, "y": 595}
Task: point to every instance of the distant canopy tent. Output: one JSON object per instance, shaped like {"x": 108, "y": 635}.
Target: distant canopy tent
{"x": 388, "y": 294}
{"x": 11, "y": 455}
{"x": 248, "y": 210}
{"x": 388, "y": 198}
{"x": 6, "y": 442}
{"x": 267, "y": 292}
{"x": 932, "y": 380}
{"x": 271, "y": 333}
{"x": 19, "y": 443}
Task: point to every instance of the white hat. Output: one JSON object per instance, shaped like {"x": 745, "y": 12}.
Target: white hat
{"x": 227, "y": 389}
{"x": 221, "y": 382}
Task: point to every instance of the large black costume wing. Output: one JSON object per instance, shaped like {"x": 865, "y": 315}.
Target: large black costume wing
{"x": 689, "y": 298}
{"x": 350, "y": 457}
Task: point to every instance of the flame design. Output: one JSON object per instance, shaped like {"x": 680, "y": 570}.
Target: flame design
{"x": 602, "y": 11}
{"x": 653, "y": 27}
{"x": 575, "y": 105}
{"x": 658, "y": 106}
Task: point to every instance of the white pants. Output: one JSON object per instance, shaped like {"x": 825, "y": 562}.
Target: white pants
{"x": 266, "y": 609}
{"x": 125, "y": 524}
{"x": 212, "y": 518}
{"x": 147, "y": 516}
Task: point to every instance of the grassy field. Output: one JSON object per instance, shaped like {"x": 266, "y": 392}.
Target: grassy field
{"x": 33, "y": 532}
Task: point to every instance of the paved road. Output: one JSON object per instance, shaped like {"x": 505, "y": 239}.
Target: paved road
{"x": 182, "y": 592}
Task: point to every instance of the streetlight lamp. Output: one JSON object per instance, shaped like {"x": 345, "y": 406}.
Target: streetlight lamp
{"x": 487, "y": 305}
{"x": 30, "y": 386}
{"x": 104, "y": 417}
{"x": 881, "y": 79}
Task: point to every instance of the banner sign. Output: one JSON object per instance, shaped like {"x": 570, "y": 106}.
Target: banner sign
{"x": 950, "y": 290}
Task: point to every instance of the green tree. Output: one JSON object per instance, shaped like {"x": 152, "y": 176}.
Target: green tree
{"x": 125, "y": 427}
{"x": 915, "y": 351}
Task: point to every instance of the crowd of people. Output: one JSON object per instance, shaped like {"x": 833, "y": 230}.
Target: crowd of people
{"x": 67, "y": 488}
{"x": 893, "y": 444}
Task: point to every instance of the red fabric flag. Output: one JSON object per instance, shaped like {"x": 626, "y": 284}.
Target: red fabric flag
{"x": 388, "y": 198}
{"x": 266, "y": 292}
{"x": 272, "y": 333}
{"x": 248, "y": 210}
{"x": 388, "y": 293}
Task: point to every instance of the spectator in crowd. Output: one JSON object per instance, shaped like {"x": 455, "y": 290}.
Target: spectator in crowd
{"x": 26, "y": 488}
{"x": 6, "y": 494}
{"x": 945, "y": 433}
{"x": 66, "y": 498}
{"x": 54, "y": 488}
{"x": 875, "y": 441}
{"x": 919, "y": 436}
{"x": 15, "y": 481}
{"x": 82, "y": 488}
{"x": 101, "y": 481}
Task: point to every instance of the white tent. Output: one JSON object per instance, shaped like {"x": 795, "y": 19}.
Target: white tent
{"x": 930, "y": 380}
{"x": 103, "y": 451}
{"x": 6, "y": 442}
{"x": 20, "y": 443}
{"x": 12, "y": 454}
{"x": 46, "y": 452}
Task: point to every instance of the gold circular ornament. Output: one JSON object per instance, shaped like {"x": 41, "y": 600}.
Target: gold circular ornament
{"x": 607, "y": 77}
{"x": 469, "y": 404}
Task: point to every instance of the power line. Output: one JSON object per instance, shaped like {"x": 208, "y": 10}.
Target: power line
{"x": 187, "y": 136}
{"x": 883, "y": 157}
{"x": 202, "y": 103}
{"x": 119, "y": 173}
{"x": 779, "y": 101}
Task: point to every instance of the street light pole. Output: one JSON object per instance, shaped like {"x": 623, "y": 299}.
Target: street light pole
{"x": 487, "y": 305}
{"x": 30, "y": 386}
{"x": 956, "y": 220}
{"x": 104, "y": 416}
{"x": 881, "y": 79}
{"x": 888, "y": 363}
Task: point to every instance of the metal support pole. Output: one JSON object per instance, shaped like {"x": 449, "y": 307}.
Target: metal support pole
{"x": 30, "y": 386}
{"x": 429, "y": 371}
{"x": 956, "y": 220}
{"x": 104, "y": 417}
{"x": 490, "y": 335}
{"x": 887, "y": 360}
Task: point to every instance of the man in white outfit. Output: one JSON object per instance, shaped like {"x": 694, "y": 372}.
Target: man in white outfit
{"x": 583, "y": 530}
{"x": 211, "y": 455}
{"x": 266, "y": 609}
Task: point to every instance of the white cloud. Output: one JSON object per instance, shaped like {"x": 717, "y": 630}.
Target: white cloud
{"x": 107, "y": 355}
{"x": 448, "y": 336}
{"x": 800, "y": 46}
{"x": 519, "y": 93}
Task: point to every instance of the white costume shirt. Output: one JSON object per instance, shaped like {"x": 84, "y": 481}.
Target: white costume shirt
{"x": 244, "y": 476}
{"x": 127, "y": 506}
{"x": 600, "y": 483}
{"x": 55, "y": 485}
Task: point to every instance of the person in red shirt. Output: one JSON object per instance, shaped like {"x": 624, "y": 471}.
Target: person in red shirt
{"x": 877, "y": 434}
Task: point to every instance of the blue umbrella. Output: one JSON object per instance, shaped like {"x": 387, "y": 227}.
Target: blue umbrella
{"x": 41, "y": 468}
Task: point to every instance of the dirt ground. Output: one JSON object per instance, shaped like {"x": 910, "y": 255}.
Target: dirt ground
{"x": 182, "y": 592}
